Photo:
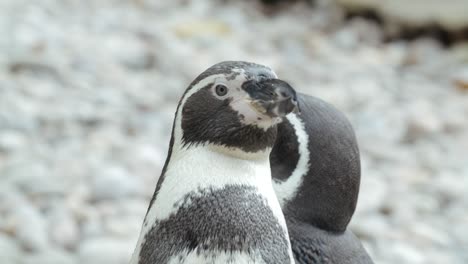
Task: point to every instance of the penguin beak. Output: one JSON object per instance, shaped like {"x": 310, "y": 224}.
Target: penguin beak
{"x": 272, "y": 97}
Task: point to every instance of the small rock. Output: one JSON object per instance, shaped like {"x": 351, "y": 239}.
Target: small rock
{"x": 365, "y": 226}
{"x": 124, "y": 226}
{"x": 422, "y": 121}
{"x": 106, "y": 250}
{"x": 92, "y": 227}
{"x": 373, "y": 192}
{"x": 9, "y": 251}
{"x": 417, "y": 13}
{"x": 31, "y": 229}
{"x": 50, "y": 256}
{"x": 460, "y": 79}
{"x": 11, "y": 140}
{"x": 134, "y": 207}
{"x": 115, "y": 183}
{"x": 346, "y": 39}
{"x": 35, "y": 178}
{"x": 405, "y": 253}
{"x": 130, "y": 52}
{"x": 202, "y": 27}
{"x": 429, "y": 235}
{"x": 63, "y": 229}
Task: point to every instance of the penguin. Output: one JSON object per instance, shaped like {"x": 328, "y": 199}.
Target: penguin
{"x": 214, "y": 201}
{"x": 315, "y": 166}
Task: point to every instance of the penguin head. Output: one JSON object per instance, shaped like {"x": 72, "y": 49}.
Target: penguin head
{"x": 234, "y": 105}
{"x": 315, "y": 166}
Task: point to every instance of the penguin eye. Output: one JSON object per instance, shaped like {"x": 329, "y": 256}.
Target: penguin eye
{"x": 221, "y": 90}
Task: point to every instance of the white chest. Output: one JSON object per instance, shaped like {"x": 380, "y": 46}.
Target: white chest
{"x": 198, "y": 169}
{"x": 215, "y": 258}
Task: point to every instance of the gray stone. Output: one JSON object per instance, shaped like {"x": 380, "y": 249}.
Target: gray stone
{"x": 50, "y": 256}
{"x": 106, "y": 250}
{"x": 422, "y": 121}
{"x": 373, "y": 193}
{"x": 401, "y": 252}
{"x": 63, "y": 228}
{"x": 92, "y": 227}
{"x": 366, "y": 226}
{"x": 416, "y": 13}
{"x": 115, "y": 183}
{"x": 9, "y": 250}
{"x": 123, "y": 226}
{"x": 30, "y": 228}
{"x": 35, "y": 178}
{"x": 11, "y": 141}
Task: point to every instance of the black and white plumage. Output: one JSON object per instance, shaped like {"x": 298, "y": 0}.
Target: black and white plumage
{"x": 214, "y": 201}
{"x": 316, "y": 169}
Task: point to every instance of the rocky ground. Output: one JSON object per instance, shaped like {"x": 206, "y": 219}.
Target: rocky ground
{"x": 88, "y": 90}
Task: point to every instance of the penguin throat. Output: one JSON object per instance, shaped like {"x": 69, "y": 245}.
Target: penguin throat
{"x": 232, "y": 136}
{"x": 238, "y": 153}
{"x": 200, "y": 167}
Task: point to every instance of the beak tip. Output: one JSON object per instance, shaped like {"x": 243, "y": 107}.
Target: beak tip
{"x": 297, "y": 110}
{"x": 275, "y": 96}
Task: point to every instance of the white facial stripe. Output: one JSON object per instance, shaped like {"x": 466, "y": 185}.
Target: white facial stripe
{"x": 287, "y": 189}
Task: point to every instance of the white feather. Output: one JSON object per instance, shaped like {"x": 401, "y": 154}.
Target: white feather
{"x": 195, "y": 257}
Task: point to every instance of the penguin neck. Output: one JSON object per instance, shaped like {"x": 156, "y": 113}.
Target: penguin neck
{"x": 194, "y": 168}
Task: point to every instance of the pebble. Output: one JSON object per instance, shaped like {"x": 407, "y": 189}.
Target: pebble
{"x": 422, "y": 121}
{"x": 366, "y": 226}
{"x": 63, "y": 228}
{"x": 416, "y": 13}
{"x": 460, "y": 79}
{"x": 11, "y": 141}
{"x": 35, "y": 178}
{"x": 30, "y": 228}
{"x": 115, "y": 183}
{"x": 124, "y": 226}
{"x": 50, "y": 256}
{"x": 405, "y": 253}
{"x": 377, "y": 190}
{"x": 9, "y": 251}
{"x": 106, "y": 250}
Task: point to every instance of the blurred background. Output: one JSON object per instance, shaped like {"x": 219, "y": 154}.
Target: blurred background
{"x": 88, "y": 90}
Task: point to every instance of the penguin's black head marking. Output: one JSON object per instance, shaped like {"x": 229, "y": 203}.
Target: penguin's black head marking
{"x": 235, "y": 105}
